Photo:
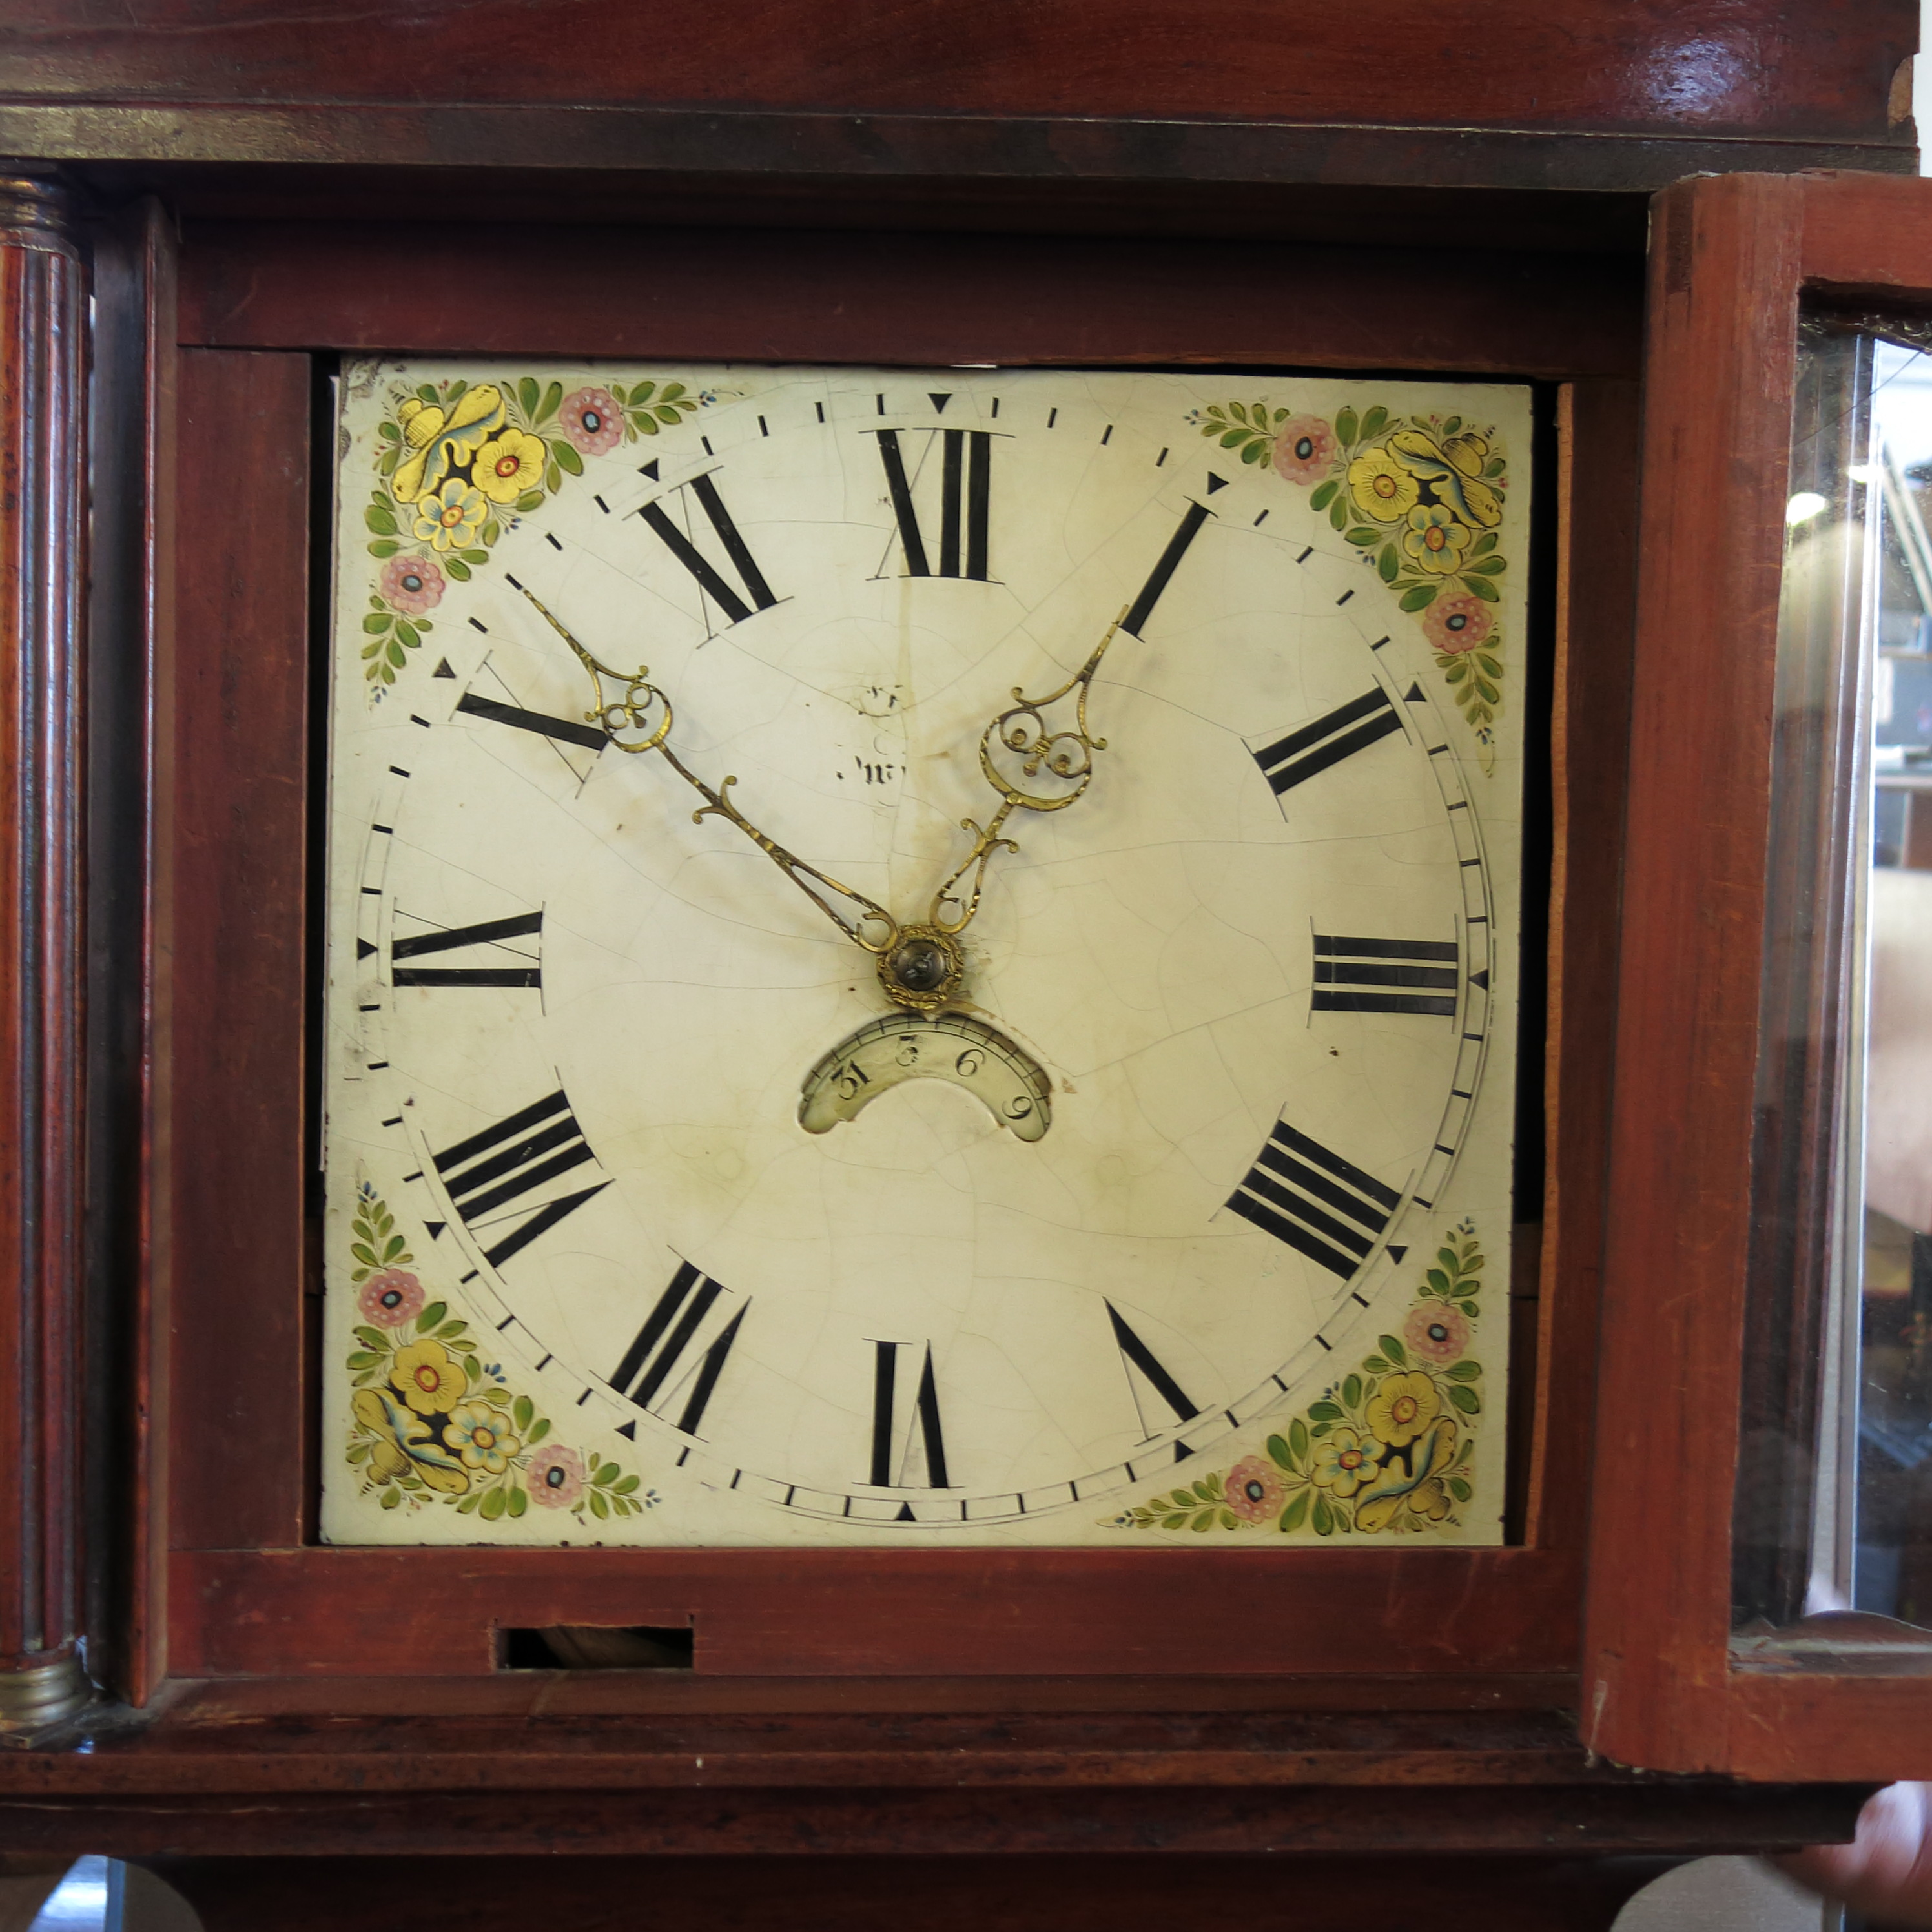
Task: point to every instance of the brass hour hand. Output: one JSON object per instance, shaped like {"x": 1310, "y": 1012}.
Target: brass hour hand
{"x": 639, "y": 719}
{"x": 1034, "y": 765}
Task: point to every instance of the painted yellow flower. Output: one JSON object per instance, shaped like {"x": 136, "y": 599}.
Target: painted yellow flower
{"x": 1400, "y": 1485}
{"x": 481, "y": 1435}
{"x": 509, "y": 464}
{"x": 1435, "y": 541}
{"x": 1403, "y": 1408}
{"x": 1346, "y": 1462}
{"x": 450, "y": 518}
{"x": 430, "y": 1378}
{"x": 438, "y": 437}
{"x": 402, "y": 1445}
{"x": 1382, "y": 487}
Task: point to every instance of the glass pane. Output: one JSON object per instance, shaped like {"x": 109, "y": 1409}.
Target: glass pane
{"x": 1833, "y": 1502}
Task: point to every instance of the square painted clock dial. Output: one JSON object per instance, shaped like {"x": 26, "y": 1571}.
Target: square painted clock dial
{"x": 920, "y": 957}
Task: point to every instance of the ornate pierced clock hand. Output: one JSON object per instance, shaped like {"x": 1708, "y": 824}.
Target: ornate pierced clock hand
{"x": 1019, "y": 733}
{"x": 644, "y": 710}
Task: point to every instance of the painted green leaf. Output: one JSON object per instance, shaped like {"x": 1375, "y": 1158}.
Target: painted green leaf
{"x": 1279, "y": 1453}
{"x": 668, "y": 415}
{"x": 521, "y": 1410}
{"x": 647, "y": 423}
{"x": 1338, "y": 512}
{"x": 435, "y": 1312}
{"x": 1324, "y": 1411}
{"x": 1324, "y": 1517}
{"x": 1482, "y": 587}
{"x": 376, "y": 622}
{"x": 598, "y": 1507}
{"x": 1239, "y": 411}
{"x": 387, "y": 467}
{"x": 1450, "y": 427}
{"x": 553, "y": 478}
{"x": 1495, "y": 467}
{"x": 494, "y": 1506}
{"x": 516, "y": 1502}
{"x": 1255, "y": 452}
{"x": 1352, "y": 1392}
{"x": 552, "y": 397}
{"x": 379, "y": 520}
{"x": 607, "y": 1473}
{"x": 1174, "y": 1523}
{"x": 1460, "y": 1490}
{"x": 539, "y": 1430}
{"x": 1297, "y": 1439}
{"x": 567, "y": 456}
{"x": 1293, "y": 1516}
{"x": 529, "y": 500}
{"x": 363, "y": 1254}
{"x": 426, "y": 392}
{"x": 388, "y": 432}
{"x": 373, "y": 1337}
{"x": 490, "y": 532}
{"x": 474, "y": 555}
{"x": 1388, "y": 563}
{"x": 1346, "y": 424}
{"x": 1323, "y": 494}
{"x": 1439, "y": 1281}
{"x": 361, "y": 1359}
{"x": 1463, "y": 1371}
{"x": 1375, "y": 422}
{"x": 1321, "y": 1430}
{"x": 1465, "y": 1399}
{"x": 391, "y": 1500}
{"x": 1485, "y": 690}
{"x": 1234, "y": 439}
{"x": 672, "y": 391}
{"x": 455, "y": 391}
{"x": 1205, "y": 1520}
{"x": 384, "y": 547}
{"x": 451, "y": 1328}
{"x": 1207, "y": 1489}
{"x": 1229, "y": 1520}
{"x": 629, "y": 1486}
{"x": 1491, "y": 667}
{"x": 1419, "y": 598}
{"x": 642, "y": 392}
{"x": 470, "y": 1502}
{"x": 1455, "y": 673}
{"x": 1375, "y": 1365}
{"x": 1394, "y": 1349}
{"x": 395, "y": 654}
{"x": 527, "y": 394}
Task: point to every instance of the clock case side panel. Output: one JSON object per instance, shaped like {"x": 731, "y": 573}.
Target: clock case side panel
{"x": 1730, "y": 261}
{"x": 251, "y": 1595}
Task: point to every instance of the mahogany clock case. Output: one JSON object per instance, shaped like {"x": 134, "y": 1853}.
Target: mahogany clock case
{"x": 212, "y": 366}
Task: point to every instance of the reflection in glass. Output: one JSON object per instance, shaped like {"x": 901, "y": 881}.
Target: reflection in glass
{"x": 1833, "y": 1501}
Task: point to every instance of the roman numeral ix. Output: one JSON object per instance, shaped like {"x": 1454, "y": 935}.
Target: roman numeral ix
{"x": 501, "y": 972}
{"x": 1322, "y": 1205}
{"x": 1348, "y": 729}
{"x": 505, "y": 1165}
{"x": 665, "y": 1360}
{"x": 893, "y": 1451}
{"x": 729, "y": 597}
{"x": 1384, "y": 976}
{"x": 966, "y": 484}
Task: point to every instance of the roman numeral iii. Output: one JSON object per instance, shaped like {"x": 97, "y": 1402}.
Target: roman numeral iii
{"x": 1322, "y": 1205}
{"x": 504, "y": 1166}
{"x": 1313, "y": 748}
{"x": 668, "y": 1364}
{"x": 965, "y": 494}
{"x": 730, "y": 599}
{"x": 507, "y": 965}
{"x": 1384, "y": 976}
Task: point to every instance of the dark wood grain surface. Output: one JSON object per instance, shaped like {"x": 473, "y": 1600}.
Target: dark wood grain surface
{"x": 1714, "y": 67}
{"x": 230, "y": 941}
{"x": 768, "y": 295}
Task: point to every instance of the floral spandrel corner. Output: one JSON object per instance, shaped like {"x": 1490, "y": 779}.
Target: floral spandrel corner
{"x": 1388, "y": 1450}
{"x": 458, "y": 463}
{"x": 433, "y": 1424}
{"x": 1421, "y": 497}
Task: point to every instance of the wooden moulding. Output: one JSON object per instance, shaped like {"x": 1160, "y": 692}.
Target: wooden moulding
{"x": 246, "y": 1596}
{"x": 1729, "y": 260}
{"x": 41, "y": 975}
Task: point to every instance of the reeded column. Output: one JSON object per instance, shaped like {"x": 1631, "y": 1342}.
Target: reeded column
{"x": 41, "y": 318}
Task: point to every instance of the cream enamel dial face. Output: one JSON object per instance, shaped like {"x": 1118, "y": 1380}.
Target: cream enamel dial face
{"x": 654, "y": 1217}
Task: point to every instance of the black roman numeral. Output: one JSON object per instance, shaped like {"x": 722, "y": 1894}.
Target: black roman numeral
{"x": 1384, "y": 976}
{"x": 966, "y": 484}
{"x": 1320, "y": 1204}
{"x": 885, "y": 1434}
{"x": 711, "y": 579}
{"x": 1142, "y": 607}
{"x": 565, "y": 730}
{"x": 1135, "y": 1352}
{"x": 491, "y": 932}
{"x": 654, "y": 1363}
{"x": 1348, "y": 729}
{"x": 505, "y": 1164}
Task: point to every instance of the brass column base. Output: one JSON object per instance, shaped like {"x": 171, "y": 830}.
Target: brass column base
{"x": 42, "y": 1695}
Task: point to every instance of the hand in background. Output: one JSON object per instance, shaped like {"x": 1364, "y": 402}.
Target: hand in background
{"x": 1886, "y": 1871}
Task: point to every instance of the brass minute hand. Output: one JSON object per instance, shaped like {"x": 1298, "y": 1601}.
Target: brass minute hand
{"x": 1046, "y": 771}
{"x": 644, "y": 710}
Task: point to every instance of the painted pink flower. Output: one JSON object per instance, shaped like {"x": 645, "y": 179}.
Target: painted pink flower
{"x": 555, "y": 1476}
{"x": 391, "y": 1298}
{"x": 1458, "y": 623}
{"x": 1436, "y": 1330}
{"x": 1304, "y": 450}
{"x": 592, "y": 420}
{"x": 413, "y": 584}
{"x": 1253, "y": 1489}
